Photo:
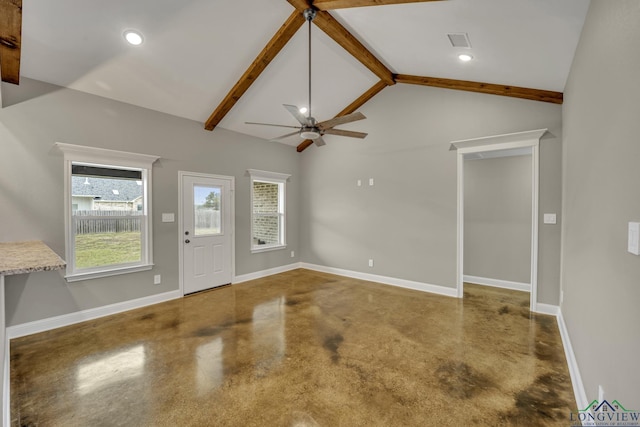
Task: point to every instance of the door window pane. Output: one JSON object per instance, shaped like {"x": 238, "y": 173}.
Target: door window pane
{"x": 207, "y": 201}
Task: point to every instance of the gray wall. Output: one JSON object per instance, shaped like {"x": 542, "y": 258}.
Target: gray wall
{"x": 406, "y": 222}
{"x": 36, "y": 115}
{"x": 497, "y": 218}
{"x": 600, "y": 279}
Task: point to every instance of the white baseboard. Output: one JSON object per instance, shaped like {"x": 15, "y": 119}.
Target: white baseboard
{"x": 264, "y": 273}
{"x": 6, "y": 397}
{"x": 36, "y": 326}
{"x": 542, "y": 308}
{"x": 574, "y": 371}
{"x": 408, "y": 284}
{"x": 505, "y": 284}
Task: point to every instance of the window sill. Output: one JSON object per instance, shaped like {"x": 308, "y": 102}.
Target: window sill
{"x": 106, "y": 273}
{"x": 258, "y": 249}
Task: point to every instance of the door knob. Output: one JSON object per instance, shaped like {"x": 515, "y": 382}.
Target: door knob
{"x": 187, "y": 241}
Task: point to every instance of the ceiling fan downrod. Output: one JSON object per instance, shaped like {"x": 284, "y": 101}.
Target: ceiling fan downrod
{"x": 309, "y": 14}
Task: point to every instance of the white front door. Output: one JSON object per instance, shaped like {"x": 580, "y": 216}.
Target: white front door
{"x": 206, "y": 227}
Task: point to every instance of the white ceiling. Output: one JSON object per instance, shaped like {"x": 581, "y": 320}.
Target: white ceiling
{"x": 195, "y": 51}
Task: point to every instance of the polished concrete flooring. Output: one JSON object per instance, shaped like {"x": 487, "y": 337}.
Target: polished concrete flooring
{"x": 300, "y": 348}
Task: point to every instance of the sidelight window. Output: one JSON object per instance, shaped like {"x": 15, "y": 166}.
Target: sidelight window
{"x": 268, "y": 210}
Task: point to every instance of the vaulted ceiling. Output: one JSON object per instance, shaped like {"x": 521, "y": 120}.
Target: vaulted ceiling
{"x": 225, "y": 62}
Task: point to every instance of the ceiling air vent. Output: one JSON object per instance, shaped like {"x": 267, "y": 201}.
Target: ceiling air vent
{"x": 459, "y": 39}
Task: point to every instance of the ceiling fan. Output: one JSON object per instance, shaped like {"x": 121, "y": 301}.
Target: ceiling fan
{"x": 309, "y": 127}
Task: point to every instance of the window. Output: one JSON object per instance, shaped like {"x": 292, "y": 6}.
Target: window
{"x": 268, "y": 210}
{"x": 107, "y": 212}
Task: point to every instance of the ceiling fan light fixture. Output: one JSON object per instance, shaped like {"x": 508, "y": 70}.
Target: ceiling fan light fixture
{"x": 303, "y": 110}
{"x": 310, "y": 134}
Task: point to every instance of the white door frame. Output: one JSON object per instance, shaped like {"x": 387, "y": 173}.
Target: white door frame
{"x": 493, "y": 143}
{"x": 232, "y": 179}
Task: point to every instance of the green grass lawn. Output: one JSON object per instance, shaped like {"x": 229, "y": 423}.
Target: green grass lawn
{"x": 94, "y": 250}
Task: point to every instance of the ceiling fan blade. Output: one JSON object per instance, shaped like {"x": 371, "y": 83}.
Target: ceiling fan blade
{"x": 295, "y": 112}
{"x": 284, "y": 136}
{"x": 327, "y": 124}
{"x": 271, "y": 124}
{"x": 319, "y": 141}
{"x": 341, "y": 132}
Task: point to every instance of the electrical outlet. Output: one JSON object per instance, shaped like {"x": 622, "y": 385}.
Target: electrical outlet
{"x": 371, "y": 182}
{"x": 293, "y": 254}
{"x": 157, "y": 279}
{"x": 371, "y": 263}
{"x": 359, "y": 183}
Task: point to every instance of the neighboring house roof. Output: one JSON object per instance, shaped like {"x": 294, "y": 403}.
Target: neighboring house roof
{"x": 127, "y": 190}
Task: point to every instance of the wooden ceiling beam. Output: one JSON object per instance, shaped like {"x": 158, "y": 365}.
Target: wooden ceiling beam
{"x": 490, "y": 88}
{"x": 351, "y": 108}
{"x": 270, "y": 51}
{"x": 344, "y": 38}
{"x": 343, "y": 4}
{"x": 10, "y": 40}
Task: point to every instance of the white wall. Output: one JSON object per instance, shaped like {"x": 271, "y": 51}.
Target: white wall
{"x": 36, "y": 115}
{"x": 600, "y": 279}
{"x": 406, "y": 222}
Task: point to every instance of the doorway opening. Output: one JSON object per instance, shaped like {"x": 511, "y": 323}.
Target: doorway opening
{"x": 495, "y": 146}
{"x": 206, "y": 231}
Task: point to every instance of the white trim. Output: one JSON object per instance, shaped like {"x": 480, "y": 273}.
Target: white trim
{"x": 264, "y": 273}
{"x": 111, "y": 159}
{"x": 501, "y": 142}
{"x": 574, "y": 371}
{"x": 4, "y": 367}
{"x": 258, "y": 249}
{"x": 6, "y": 391}
{"x": 271, "y": 176}
{"x": 496, "y": 283}
{"x": 106, "y": 273}
{"x": 232, "y": 184}
{"x": 37, "y": 326}
{"x": 81, "y": 153}
{"x": 493, "y": 143}
{"x": 552, "y": 310}
{"x": 535, "y": 198}
{"x": 401, "y": 283}
{"x": 460, "y": 220}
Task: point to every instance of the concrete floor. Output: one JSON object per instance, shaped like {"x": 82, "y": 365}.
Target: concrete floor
{"x": 300, "y": 348}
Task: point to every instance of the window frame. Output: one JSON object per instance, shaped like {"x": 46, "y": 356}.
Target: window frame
{"x": 271, "y": 178}
{"x": 101, "y": 157}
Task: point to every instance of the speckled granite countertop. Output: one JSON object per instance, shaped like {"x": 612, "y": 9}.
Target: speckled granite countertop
{"x": 28, "y": 257}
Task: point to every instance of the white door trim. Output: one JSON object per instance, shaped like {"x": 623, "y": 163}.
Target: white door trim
{"x": 232, "y": 179}
{"x": 493, "y": 143}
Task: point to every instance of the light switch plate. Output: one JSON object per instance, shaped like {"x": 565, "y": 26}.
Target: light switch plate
{"x": 168, "y": 217}
{"x": 550, "y": 218}
{"x": 634, "y": 238}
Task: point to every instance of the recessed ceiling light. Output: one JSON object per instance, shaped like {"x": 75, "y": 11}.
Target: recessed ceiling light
{"x": 133, "y": 37}
{"x": 303, "y": 110}
{"x": 465, "y": 57}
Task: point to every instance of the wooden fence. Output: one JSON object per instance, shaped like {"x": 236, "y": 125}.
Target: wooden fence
{"x": 89, "y": 222}
{"x": 207, "y": 219}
